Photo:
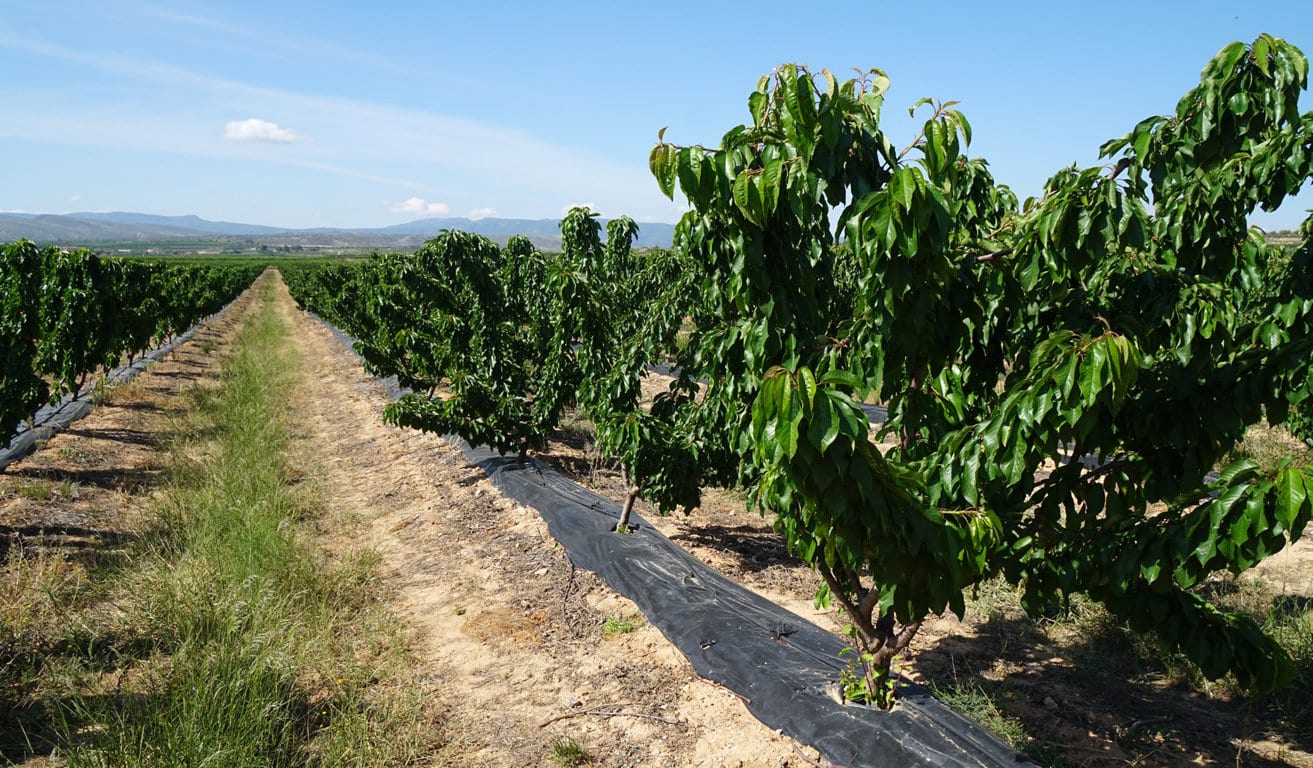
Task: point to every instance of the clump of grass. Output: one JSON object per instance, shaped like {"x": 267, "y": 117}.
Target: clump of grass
{"x": 124, "y": 392}
{"x": 45, "y": 490}
{"x": 618, "y": 625}
{"x": 1291, "y": 625}
{"x": 99, "y": 391}
{"x": 34, "y": 490}
{"x": 569, "y": 753}
{"x": 982, "y": 705}
{"x": 36, "y": 590}
{"x": 1267, "y": 446}
{"x": 74, "y": 456}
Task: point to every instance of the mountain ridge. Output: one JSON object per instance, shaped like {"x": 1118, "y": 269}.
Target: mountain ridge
{"x": 123, "y": 226}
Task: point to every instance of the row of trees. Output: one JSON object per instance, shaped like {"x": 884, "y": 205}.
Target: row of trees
{"x": 1128, "y": 316}
{"x": 64, "y": 316}
{"x": 495, "y": 342}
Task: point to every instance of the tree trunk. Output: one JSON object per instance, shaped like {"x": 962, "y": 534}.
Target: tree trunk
{"x": 630, "y": 498}
{"x": 877, "y": 639}
{"x": 913, "y": 390}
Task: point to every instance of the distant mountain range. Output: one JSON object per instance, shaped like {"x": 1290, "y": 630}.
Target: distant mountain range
{"x": 90, "y": 229}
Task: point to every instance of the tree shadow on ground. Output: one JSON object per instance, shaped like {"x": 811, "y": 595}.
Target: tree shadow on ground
{"x": 86, "y": 545}
{"x": 117, "y": 435}
{"x": 1096, "y": 698}
{"x": 33, "y": 722}
{"x": 754, "y": 548}
{"x": 111, "y": 478}
{"x": 27, "y": 731}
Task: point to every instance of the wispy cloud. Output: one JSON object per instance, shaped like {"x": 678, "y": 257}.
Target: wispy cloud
{"x": 482, "y": 213}
{"x": 420, "y": 205}
{"x": 255, "y": 129}
{"x": 275, "y": 45}
{"x": 403, "y": 147}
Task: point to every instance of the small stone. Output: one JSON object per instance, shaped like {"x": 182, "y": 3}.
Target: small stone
{"x": 1049, "y": 703}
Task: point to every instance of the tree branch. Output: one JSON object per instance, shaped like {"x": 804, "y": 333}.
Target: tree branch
{"x": 993, "y": 255}
{"x": 904, "y": 637}
{"x": 610, "y": 713}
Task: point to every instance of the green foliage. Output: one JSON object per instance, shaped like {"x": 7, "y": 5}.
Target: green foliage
{"x": 862, "y": 681}
{"x": 22, "y": 390}
{"x": 1113, "y": 320}
{"x": 514, "y": 336}
{"x": 460, "y": 315}
{"x": 618, "y": 625}
{"x": 1061, "y": 376}
{"x": 77, "y": 329}
{"x": 618, "y": 307}
{"x": 65, "y": 315}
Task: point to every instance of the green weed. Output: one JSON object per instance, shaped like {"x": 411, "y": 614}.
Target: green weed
{"x": 568, "y": 753}
{"x": 618, "y": 625}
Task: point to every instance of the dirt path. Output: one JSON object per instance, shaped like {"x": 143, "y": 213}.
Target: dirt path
{"x": 521, "y": 647}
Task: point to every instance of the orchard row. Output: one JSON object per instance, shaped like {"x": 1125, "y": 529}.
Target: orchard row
{"x": 66, "y": 315}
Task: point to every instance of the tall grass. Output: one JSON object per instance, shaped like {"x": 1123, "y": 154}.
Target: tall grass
{"x": 253, "y": 644}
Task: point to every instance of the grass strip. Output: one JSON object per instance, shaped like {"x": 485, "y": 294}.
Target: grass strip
{"x": 248, "y": 650}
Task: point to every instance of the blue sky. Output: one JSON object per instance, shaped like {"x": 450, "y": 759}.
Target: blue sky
{"x": 346, "y": 114}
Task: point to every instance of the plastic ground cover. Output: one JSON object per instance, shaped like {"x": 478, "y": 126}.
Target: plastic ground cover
{"x": 58, "y": 416}
{"x": 783, "y": 666}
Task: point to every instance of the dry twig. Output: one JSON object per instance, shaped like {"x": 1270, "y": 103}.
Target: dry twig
{"x": 610, "y": 713}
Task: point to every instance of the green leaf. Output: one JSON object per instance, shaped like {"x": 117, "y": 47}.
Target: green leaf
{"x": 662, "y": 162}
{"x": 772, "y": 180}
{"x": 1262, "y": 49}
{"x": 748, "y": 198}
{"x": 758, "y": 101}
{"x": 807, "y": 386}
{"x": 825, "y": 424}
{"x": 970, "y": 469}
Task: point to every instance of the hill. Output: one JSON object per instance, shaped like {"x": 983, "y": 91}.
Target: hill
{"x": 141, "y": 229}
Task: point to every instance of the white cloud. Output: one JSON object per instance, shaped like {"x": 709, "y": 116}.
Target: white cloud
{"x": 482, "y": 213}
{"x": 255, "y": 129}
{"x": 420, "y": 205}
{"x": 75, "y": 198}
